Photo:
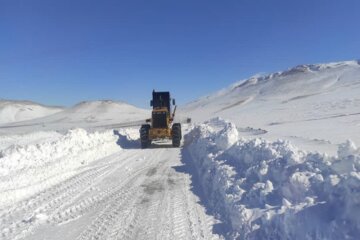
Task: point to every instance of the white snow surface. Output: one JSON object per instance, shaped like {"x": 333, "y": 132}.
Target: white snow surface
{"x": 17, "y": 111}
{"x": 273, "y": 190}
{"x": 97, "y": 185}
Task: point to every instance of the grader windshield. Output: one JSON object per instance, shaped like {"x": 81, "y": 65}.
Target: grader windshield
{"x": 161, "y": 100}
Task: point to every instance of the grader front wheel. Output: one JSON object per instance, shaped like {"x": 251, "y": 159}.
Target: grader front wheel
{"x": 176, "y": 134}
{"x": 144, "y": 136}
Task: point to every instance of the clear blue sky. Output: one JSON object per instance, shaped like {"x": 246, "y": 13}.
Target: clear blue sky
{"x": 60, "y": 52}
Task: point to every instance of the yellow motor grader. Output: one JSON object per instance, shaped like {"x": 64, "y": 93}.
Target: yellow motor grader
{"x": 161, "y": 123}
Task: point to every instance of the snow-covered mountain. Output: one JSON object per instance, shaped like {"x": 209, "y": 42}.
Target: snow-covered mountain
{"x": 16, "y": 111}
{"x": 308, "y": 103}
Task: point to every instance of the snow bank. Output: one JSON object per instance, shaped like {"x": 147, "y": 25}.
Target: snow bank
{"x": 28, "y": 169}
{"x": 272, "y": 190}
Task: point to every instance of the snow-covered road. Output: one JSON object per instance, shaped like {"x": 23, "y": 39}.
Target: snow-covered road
{"x": 132, "y": 194}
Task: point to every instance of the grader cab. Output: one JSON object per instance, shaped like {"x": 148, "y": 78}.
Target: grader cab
{"x": 161, "y": 123}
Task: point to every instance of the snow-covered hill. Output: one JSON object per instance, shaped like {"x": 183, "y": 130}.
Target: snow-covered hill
{"x": 99, "y": 112}
{"x": 87, "y": 114}
{"x": 312, "y": 105}
{"x": 16, "y": 111}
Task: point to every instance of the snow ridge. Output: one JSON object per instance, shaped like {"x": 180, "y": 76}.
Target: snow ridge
{"x": 299, "y": 69}
{"x": 273, "y": 190}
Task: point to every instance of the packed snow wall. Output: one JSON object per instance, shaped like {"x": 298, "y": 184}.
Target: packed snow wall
{"x": 273, "y": 190}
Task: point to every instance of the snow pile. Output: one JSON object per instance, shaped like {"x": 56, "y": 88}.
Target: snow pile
{"x": 28, "y": 169}
{"x": 273, "y": 190}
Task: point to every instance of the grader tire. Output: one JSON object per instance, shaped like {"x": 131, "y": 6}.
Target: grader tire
{"x": 176, "y": 134}
{"x": 144, "y": 136}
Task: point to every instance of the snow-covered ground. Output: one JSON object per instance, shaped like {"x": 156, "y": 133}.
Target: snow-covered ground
{"x": 99, "y": 186}
{"x": 279, "y": 167}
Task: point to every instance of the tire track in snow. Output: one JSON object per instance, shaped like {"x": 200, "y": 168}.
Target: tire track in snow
{"x": 80, "y": 205}
{"x": 151, "y": 210}
{"x": 57, "y": 190}
{"x": 76, "y": 180}
{"x": 125, "y": 226}
{"x": 23, "y": 218}
{"x": 100, "y": 227}
{"x": 198, "y": 221}
{"x": 188, "y": 217}
{"x": 178, "y": 216}
{"x": 104, "y": 225}
{"x": 24, "y": 215}
{"x": 166, "y": 210}
{"x": 74, "y": 211}
{"x": 140, "y": 220}
{"x": 164, "y": 226}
